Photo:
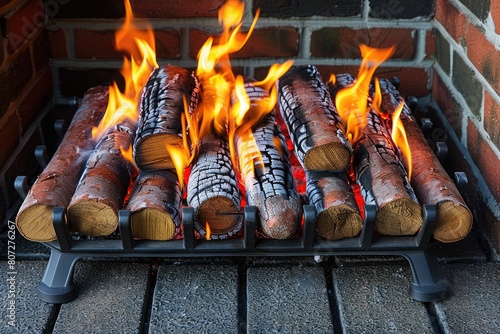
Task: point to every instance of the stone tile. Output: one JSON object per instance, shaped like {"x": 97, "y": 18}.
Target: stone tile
{"x": 375, "y": 299}
{"x": 195, "y": 299}
{"x": 31, "y": 315}
{"x": 110, "y": 299}
{"x": 473, "y": 305}
{"x": 287, "y": 300}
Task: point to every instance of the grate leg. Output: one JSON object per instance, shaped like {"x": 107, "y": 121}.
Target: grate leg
{"x": 428, "y": 283}
{"x": 57, "y": 285}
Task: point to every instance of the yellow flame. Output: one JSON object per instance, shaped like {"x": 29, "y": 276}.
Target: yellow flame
{"x": 399, "y": 137}
{"x": 139, "y": 45}
{"x": 180, "y": 161}
{"x": 332, "y": 80}
{"x": 209, "y": 233}
{"x": 127, "y": 154}
{"x": 352, "y": 102}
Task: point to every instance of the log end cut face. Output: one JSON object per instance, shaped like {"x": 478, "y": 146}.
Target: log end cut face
{"x": 152, "y": 224}
{"x": 221, "y": 214}
{"x": 453, "y": 222}
{"x": 279, "y": 218}
{"x": 36, "y": 223}
{"x": 328, "y": 157}
{"x": 399, "y": 217}
{"x": 338, "y": 222}
{"x": 93, "y": 218}
{"x": 151, "y": 152}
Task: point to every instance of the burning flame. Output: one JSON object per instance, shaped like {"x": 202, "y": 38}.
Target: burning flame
{"x": 209, "y": 233}
{"x": 139, "y": 45}
{"x": 399, "y": 137}
{"x": 127, "y": 154}
{"x": 352, "y": 102}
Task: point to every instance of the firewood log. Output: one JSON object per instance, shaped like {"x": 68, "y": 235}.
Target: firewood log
{"x": 160, "y": 117}
{"x": 93, "y": 209}
{"x": 266, "y": 173}
{"x": 154, "y": 205}
{"x": 338, "y": 215}
{"x": 312, "y": 120}
{"x": 57, "y": 183}
{"x": 213, "y": 189}
{"x": 430, "y": 180}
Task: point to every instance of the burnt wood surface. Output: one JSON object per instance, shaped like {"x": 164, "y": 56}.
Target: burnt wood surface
{"x": 160, "y": 115}
{"x": 430, "y": 180}
{"x": 312, "y": 120}
{"x": 154, "y": 205}
{"x": 101, "y": 191}
{"x": 55, "y": 186}
{"x": 213, "y": 189}
{"x": 268, "y": 180}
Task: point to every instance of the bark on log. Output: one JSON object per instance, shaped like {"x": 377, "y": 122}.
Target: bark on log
{"x": 154, "y": 205}
{"x": 160, "y": 118}
{"x": 312, "y": 120}
{"x": 57, "y": 183}
{"x": 213, "y": 189}
{"x": 429, "y": 179}
{"x": 338, "y": 215}
{"x": 269, "y": 181}
{"x": 93, "y": 210}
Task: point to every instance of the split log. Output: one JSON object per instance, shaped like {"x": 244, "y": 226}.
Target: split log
{"x": 93, "y": 210}
{"x": 266, "y": 173}
{"x": 57, "y": 183}
{"x": 213, "y": 189}
{"x": 430, "y": 180}
{"x": 160, "y": 117}
{"x": 312, "y": 121}
{"x": 154, "y": 205}
{"x": 338, "y": 215}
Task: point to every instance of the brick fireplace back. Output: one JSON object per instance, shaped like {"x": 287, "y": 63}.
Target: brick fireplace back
{"x": 52, "y": 51}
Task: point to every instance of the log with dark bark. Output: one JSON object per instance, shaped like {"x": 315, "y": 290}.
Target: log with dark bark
{"x": 266, "y": 172}
{"x": 57, "y": 183}
{"x": 160, "y": 117}
{"x": 312, "y": 120}
{"x": 213, "y": 189}
{"x": 93, "y": 209}
{"x": 338, "y": 215}
{"x": 429, "y": 179}
{"x": 154, "y": 205}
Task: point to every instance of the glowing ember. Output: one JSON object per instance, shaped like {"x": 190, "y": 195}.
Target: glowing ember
{"x": 138, "y": 44}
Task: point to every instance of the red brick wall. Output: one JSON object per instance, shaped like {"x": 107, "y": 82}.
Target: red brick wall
{"x": 467, "y": 87}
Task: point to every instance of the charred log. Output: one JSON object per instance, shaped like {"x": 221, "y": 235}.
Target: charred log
{"x": 93, "y": 210}
{"x": 312, "y": 120}
{"x": 154, "y": 205}
{"x": 57, "y": 183}
{"x": 160, "y": 119}
{"x": 429, "y": 179}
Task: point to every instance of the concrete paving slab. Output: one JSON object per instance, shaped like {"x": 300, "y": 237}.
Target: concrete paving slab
{"x": 375, "y": 299}
{"x": 18, "y": 298}
{"x": 287, "y": 300}
{"x": 195, "y": 299}
{"x": 110, "y": 300}
{"x": 474, "y": 302}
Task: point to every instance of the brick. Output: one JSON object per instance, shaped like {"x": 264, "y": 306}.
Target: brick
{"x": 23, "y": 22}
{"x": 452, "y": 110}
{"x": 344, "y": 42}
{"x": 75, "y": 82}
{"x": 57, "y": 43}
{"x": 34, "y": 100}
{"x": 98, "y": 44}
{"x": 481, "y": 9}
{"x": 10, "y": 134}
{"x": 430, "y": 44}
{"x": 492, "y": 118}
{"x": 495, "y": 14}
{"x": 304, "y": 8}
{"x": 464, "y": 79}
{"x": 40, "y": 51}
{"x": 401, "y": 9}
{"x": 13, "y": 78}
{"x": 109, "y": 9}
{"x": 176, "y": 9}
{"x": 167, "y": 43}
{"x": 485, "y": 158}
{"x": 442, "y": 53}
{"x": 451, "y": 18}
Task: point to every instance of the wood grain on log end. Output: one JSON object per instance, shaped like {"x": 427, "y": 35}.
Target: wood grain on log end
{"x": 36, "y": 223}
{"x": 402, "y": 216}
{"x": 281, "y": 217}
{"x": 151, "y": 152}
{"x": 221, "y": 214}
{"x": 338, "y": 222}
{"x": 152, "y": 224}
{"x": 453, "y": 222}
{"x": 331, "y": 156}
{"x": 93, "y": 218}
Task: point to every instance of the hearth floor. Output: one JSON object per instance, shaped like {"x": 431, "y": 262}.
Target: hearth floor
{"x": 256, "y": 295}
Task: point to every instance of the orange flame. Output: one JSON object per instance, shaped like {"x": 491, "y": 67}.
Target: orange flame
{"x": 352, "y": 102}
{"x": 399, "y": 137}
{"x": 180, "y": 161}
{"x": 209, "y": 233}
{"x": 127, "y": 154}
{"x": 139, "y": 45}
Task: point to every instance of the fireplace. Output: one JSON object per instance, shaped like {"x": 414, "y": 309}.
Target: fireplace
{"x": 54, "y": 51}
